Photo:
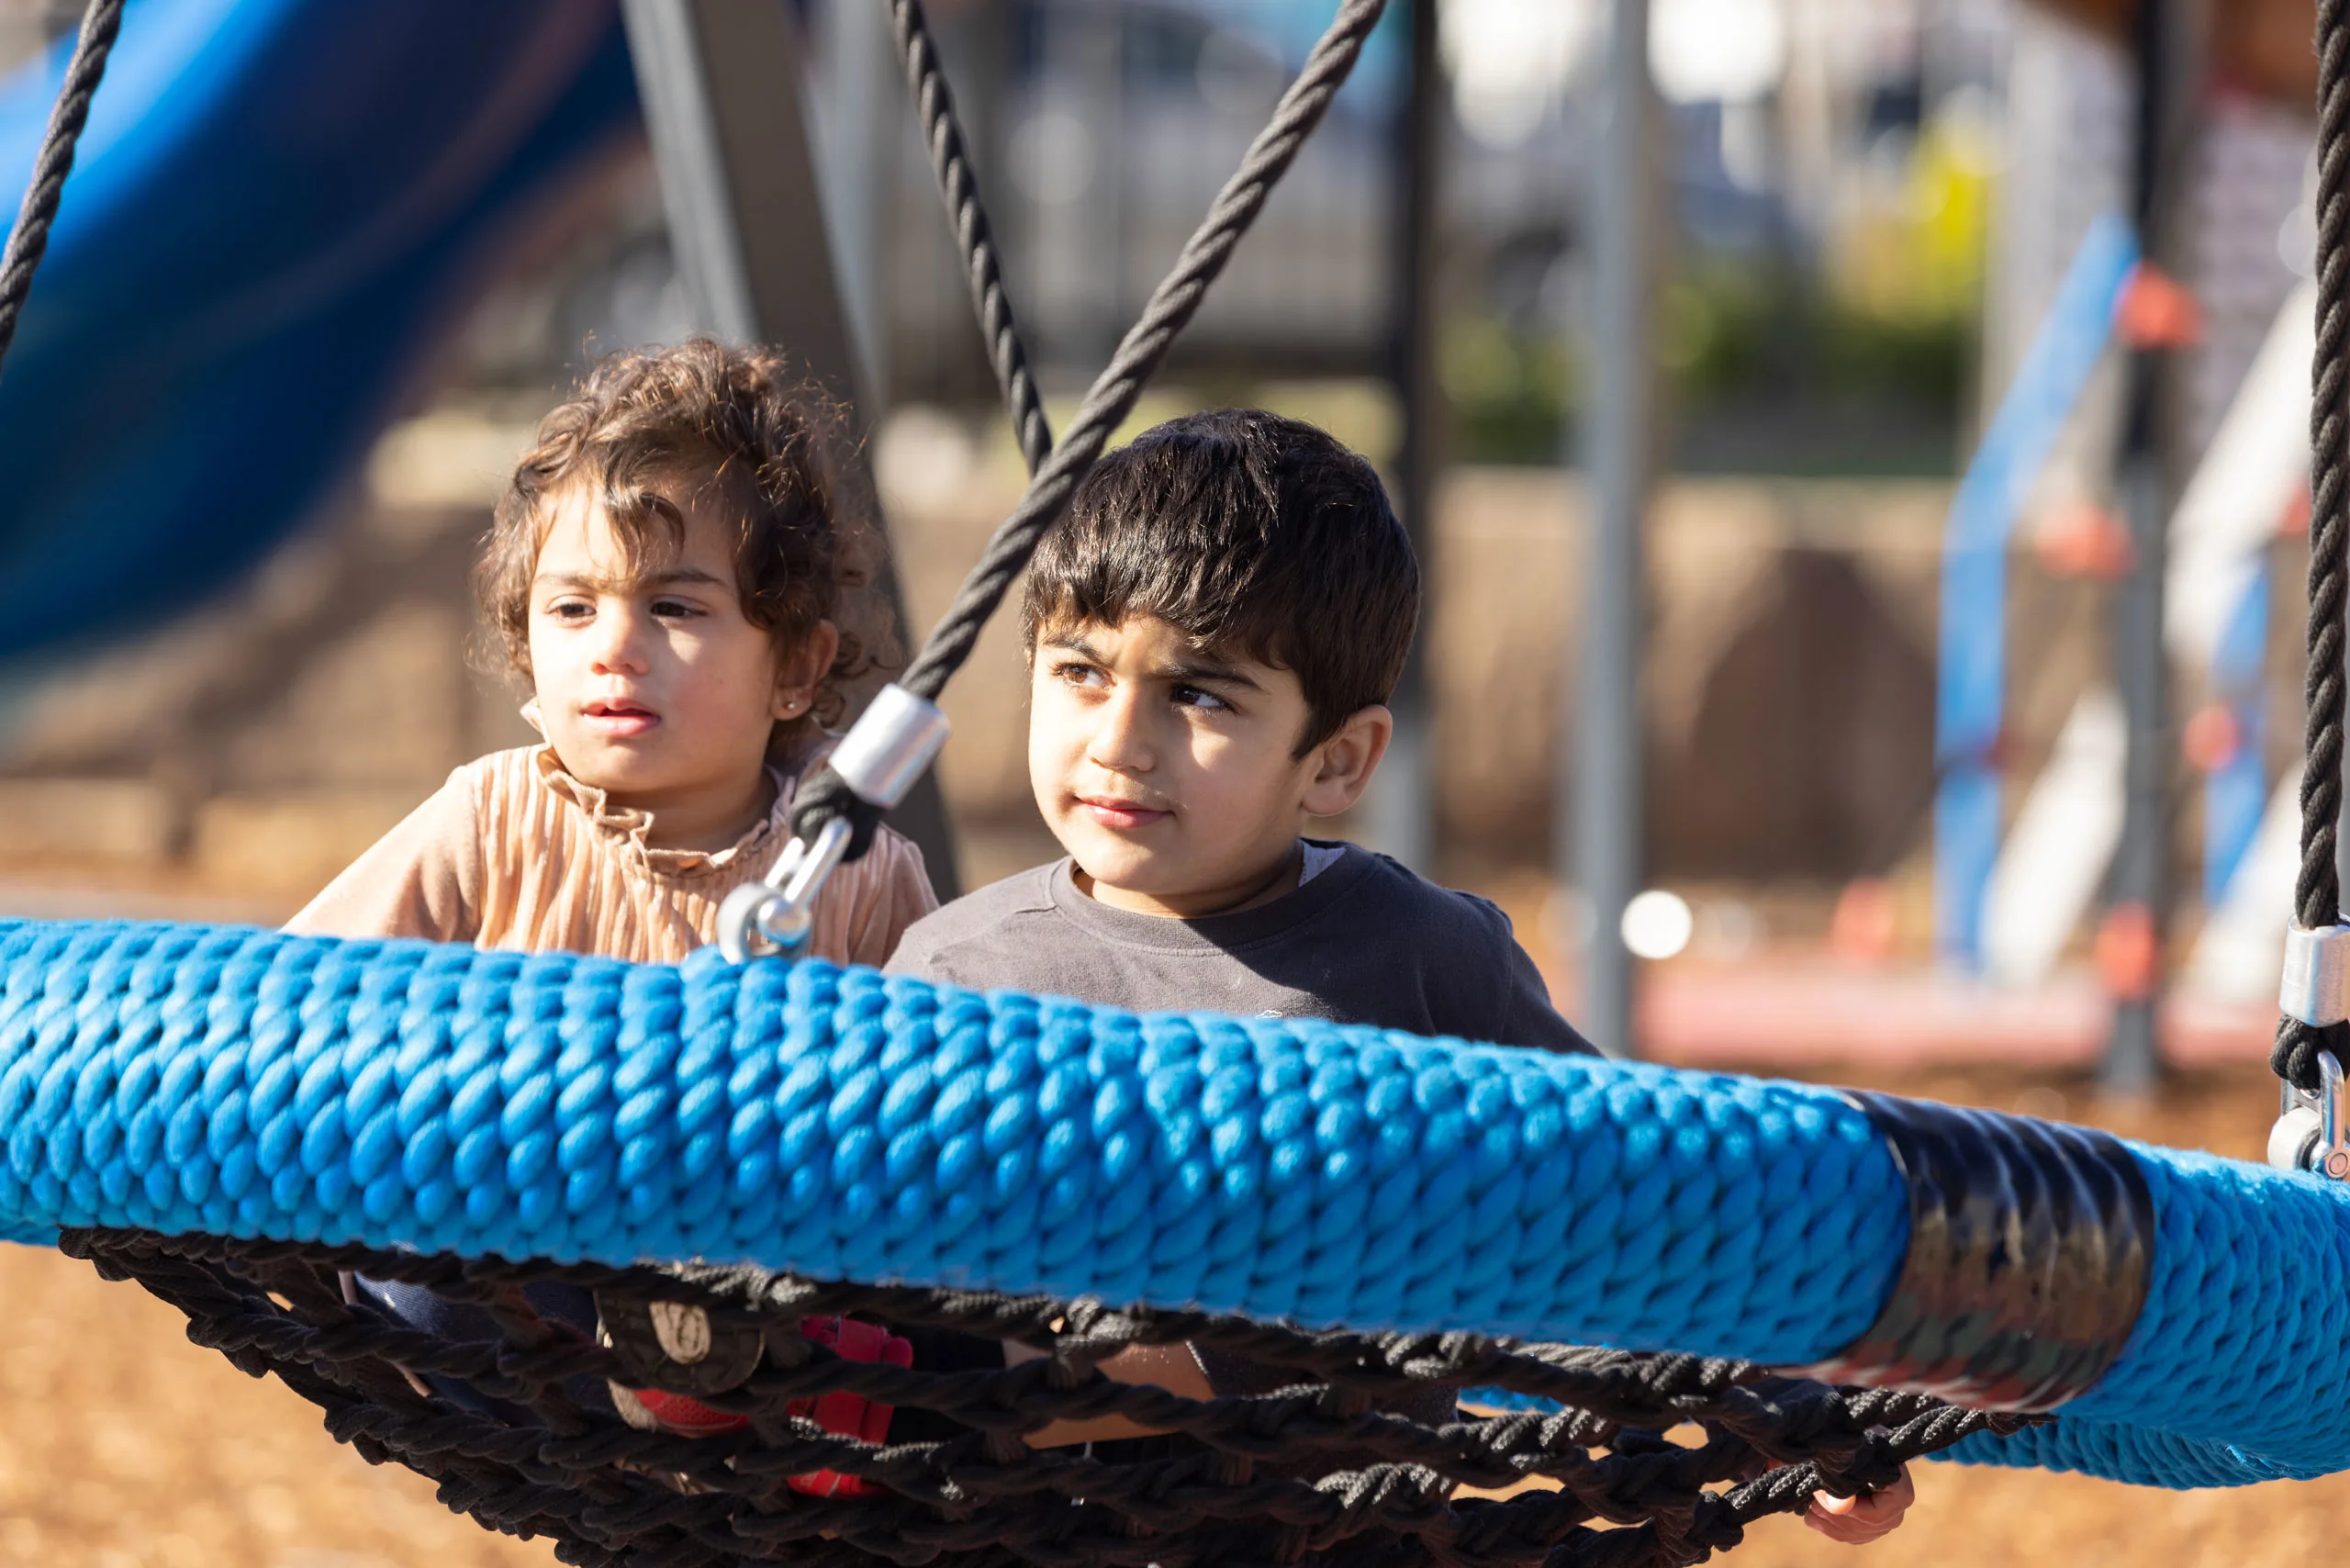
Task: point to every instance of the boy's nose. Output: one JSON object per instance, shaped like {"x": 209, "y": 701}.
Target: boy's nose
{"x": 1121, "y": 741}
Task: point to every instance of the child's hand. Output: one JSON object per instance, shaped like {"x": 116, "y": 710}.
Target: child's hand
{"x": 1856, "y": 1521}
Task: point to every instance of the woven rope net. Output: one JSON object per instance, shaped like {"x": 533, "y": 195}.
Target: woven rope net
{"x": 796, "y": 1451}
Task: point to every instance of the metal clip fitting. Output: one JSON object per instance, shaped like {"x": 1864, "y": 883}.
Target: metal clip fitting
{"x": 884, "y": 752}
{"x": 2312, "y": 1129}
{"x": 2316, "y": 984}
{"x": 879, "y": 757}
{"x": 761, "y": 919}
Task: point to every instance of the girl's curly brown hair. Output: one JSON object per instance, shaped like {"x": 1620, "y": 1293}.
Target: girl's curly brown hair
{"x": 738, "y": 425}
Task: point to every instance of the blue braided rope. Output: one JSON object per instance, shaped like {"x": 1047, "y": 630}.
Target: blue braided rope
{"x": 183, "y": 1077}
{"x": 832, "y": 1122}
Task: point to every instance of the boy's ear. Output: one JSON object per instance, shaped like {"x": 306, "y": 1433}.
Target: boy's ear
{"x": 798, "y": 672}
{"x": 1342, "y": 765}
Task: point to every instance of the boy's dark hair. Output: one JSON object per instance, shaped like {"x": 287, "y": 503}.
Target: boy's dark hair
{"x": 740, "y": 426}
{"x": 1249, "y": 533}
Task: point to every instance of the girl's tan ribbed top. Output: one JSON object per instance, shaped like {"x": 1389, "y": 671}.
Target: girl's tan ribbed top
{"x": 513, "y": 852}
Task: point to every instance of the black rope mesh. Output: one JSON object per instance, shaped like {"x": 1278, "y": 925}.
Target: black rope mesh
{"x": 1650, "y": 1460}
{"x": 2317, "y": 893}
{"x": 29, "y": 238}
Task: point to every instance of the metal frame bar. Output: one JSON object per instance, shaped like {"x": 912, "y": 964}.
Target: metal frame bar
{"x": 721, "y": 85}
{"x": 2148, "y": 487}
{"x": 1603, "y": 823}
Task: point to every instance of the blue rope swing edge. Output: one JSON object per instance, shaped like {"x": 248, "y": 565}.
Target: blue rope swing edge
{"x": 842, "y": 1125}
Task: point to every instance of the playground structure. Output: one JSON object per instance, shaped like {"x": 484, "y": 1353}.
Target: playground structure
{"x": 2050, "y": 933}
{"x": 227, "y": 1115}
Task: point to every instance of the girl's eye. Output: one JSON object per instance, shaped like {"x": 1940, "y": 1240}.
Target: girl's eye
{"x": 674, "y": 610}
{"x": 1207, "y": 701}
{"x": 571, "y": 609}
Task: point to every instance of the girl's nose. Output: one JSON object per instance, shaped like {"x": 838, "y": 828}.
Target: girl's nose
{"x": 618, "y": 647}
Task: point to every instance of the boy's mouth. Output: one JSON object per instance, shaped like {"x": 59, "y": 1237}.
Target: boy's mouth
{"x": 1122, "y": 816}
{"x": 618, "y": 716}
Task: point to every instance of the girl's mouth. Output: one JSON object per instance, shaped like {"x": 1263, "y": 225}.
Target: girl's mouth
{"x": 618, "y": 717}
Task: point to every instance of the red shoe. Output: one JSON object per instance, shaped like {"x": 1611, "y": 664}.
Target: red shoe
{"x": 848, "y": 1415}
{"x": 842, "y": 1415}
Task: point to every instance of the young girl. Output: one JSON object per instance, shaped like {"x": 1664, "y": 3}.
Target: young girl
{"x": 664, "y": 577}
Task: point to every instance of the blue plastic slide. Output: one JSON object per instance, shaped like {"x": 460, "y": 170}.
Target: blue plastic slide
{"x": 277, "y": 205}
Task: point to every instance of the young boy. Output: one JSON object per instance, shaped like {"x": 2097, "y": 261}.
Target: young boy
{"x": 1212, "y": 633}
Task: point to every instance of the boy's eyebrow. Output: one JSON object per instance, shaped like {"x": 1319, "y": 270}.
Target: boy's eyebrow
{"x": 1207, "y": 672}
{"x": 1200, "y": 670}
{"x": 1072, "y": 641}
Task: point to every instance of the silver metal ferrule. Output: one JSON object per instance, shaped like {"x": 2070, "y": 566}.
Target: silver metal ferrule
{"x": 2316, "y": 985}
{"x": 892, "y": 741}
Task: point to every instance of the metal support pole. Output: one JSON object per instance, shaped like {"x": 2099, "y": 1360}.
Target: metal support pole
{"x": 2137, "y": 918}
{"x": 861, "y": 103}
{"x": 1402, "y": 805}
{"x": 720, "y": 80}
{"x": 1604, "y": 824}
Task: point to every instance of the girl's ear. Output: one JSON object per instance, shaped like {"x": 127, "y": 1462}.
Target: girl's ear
{"x": 532, "y": 716}
{"x": 1341, "y": 766}
{"x": 800, "y": 670}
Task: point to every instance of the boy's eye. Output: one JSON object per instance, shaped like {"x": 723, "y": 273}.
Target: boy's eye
{"x": 674, "y": 609}
{"x": 1076, "y": 672}
{"x": 1194, "y": 696}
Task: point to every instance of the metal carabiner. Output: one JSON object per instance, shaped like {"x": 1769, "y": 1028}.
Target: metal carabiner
{"x": 2311, "y": 1130}
{"x": 880, "y": 758}
{"x": 775, "y": 914}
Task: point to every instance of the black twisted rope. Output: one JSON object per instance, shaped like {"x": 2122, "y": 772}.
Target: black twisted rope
{"x": 28, "y": 240}
{"x": 942, "y": 133}
{"x": 1315, "y": 1474}
{"x": 1113, "y": 395}
{"x": 2317, "y": 894}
